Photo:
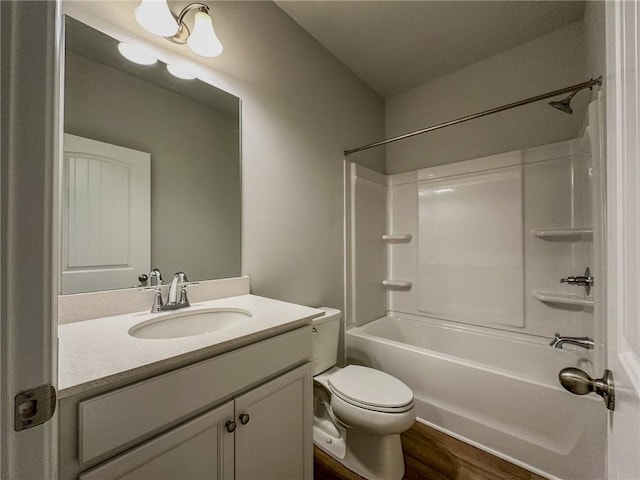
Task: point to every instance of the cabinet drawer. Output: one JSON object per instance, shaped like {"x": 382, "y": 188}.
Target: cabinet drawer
{"x": 122, "y": 417}
{"x": 199, "y": 448}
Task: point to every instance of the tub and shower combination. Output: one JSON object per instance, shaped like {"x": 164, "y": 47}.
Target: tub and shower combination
{"x": 467, "y": 269}
{"x": 489, "y": 390}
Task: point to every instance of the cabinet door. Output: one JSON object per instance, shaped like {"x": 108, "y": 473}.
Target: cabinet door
{"x": 200, "y": 449}
{"x": 274, "y": 442}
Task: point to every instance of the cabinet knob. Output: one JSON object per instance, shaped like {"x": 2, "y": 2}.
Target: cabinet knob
{"x": 244, "y": 418}
{"x": 230, "y": 426}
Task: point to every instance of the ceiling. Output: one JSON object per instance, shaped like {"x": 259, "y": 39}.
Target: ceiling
{"x": 394, "y": 46}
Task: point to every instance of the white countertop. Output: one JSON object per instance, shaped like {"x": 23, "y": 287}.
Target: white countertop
{"x": 101, "y": 351}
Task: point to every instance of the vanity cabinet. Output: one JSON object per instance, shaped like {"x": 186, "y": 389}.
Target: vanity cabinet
{"x": 197, "y": 450}
{"x": 271, "y": 440}
{"x": 261, "y": 434}
{"x": 242, "y": 415}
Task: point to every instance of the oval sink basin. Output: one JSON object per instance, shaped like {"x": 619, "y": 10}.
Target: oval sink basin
{"x": 188, "y": 324}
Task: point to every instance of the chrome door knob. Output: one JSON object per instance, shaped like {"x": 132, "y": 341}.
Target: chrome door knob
{"x": 580, "y": 383}
{"x": 244, "y": 418}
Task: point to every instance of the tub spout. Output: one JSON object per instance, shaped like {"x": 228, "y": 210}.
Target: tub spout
{"x": 584, "y": 342}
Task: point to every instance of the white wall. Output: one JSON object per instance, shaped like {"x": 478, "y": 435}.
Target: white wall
{"x": 546, "y": 187}
{"x": 550, "y": 62}
{"x": 300, "y": 109}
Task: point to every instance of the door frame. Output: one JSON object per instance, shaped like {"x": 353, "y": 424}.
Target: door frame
{"x": 31, "y": 93}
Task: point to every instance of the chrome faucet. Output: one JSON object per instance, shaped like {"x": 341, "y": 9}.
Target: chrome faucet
{"x": 155, "y": 277}
{"x": 179, "y": 279}
{"x": 175, "y": 300}
{"x": 152, "y": 279}
{"x": 584, "y": 342}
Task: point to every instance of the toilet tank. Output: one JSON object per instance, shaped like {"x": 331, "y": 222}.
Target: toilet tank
{"x": 326, "y": 330}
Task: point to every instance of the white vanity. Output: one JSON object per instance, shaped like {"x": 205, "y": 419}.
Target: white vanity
{"x": 233, "y": 403}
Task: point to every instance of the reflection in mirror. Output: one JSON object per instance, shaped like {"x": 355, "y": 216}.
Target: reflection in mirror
{"x": 151, "y": 170}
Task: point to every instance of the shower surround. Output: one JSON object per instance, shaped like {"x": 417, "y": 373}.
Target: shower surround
{"x": 453, "y": 285}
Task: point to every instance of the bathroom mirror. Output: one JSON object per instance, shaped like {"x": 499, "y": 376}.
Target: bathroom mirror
{"x": 151, "y": 170}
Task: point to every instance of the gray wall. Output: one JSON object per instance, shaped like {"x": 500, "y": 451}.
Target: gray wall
{"x": 300, "y": 109}
{"x": 550, "y": 62}
{"x": 195, "y": 171}
{"x": 594, "y": 36}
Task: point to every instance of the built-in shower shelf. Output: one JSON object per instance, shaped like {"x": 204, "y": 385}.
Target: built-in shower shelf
{"x": 563, "y": 234}
{"x": 397, "y": 238}
{"x": 397, "y": 284}
{"x": 562, "y": 298}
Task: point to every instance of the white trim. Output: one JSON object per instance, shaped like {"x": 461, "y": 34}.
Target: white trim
{"x": 369, "y": 174}
{"x": 512, "y": 158}
{"x": 623, "y": 214}
{"x": 28, "y": 242}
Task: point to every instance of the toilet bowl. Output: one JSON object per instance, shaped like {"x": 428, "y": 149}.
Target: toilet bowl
{"x": 359, "y": 412}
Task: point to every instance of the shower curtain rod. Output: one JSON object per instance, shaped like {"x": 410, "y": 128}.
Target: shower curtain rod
{"x": 537, "y": 98}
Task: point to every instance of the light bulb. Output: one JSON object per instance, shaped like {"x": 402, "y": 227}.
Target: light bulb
{"x": 155, "y": 17}
{"x": 203, "y": 39}
{"x": 180, "y": 71}
{"x": 136, "y": 54}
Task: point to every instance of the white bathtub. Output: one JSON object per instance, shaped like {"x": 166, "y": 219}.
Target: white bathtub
{"x": 494, "y": 391}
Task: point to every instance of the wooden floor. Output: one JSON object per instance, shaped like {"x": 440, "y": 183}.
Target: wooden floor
{"x": 432, "y": 455}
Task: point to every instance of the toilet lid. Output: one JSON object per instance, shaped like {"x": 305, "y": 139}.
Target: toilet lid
{"x": 369, "y": 387}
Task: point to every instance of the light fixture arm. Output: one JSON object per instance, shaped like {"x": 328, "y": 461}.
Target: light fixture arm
{"x": 183, "y": 31}
{"x": 156, "y": 17}
{"x": 188, "y": 8}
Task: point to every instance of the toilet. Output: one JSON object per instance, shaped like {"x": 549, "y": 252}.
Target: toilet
{"x": 358, "y": 412}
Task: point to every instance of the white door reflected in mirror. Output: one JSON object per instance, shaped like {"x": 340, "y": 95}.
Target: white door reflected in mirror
{"x": 106, "y": 205}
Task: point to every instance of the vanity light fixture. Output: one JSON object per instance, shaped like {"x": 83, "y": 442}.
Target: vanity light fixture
{"x": 136, "y": 54}
{"x": 156, "y": 17}
{"x": 180, "y": 71}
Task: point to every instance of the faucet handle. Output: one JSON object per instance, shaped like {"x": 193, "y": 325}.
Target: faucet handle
{"x": 585, "y": 281}
{"x": 157, "y": 300}
{"x": 184, "y": 300}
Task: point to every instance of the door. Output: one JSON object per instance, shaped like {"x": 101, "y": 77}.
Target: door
{"x": 623, "y": 240}
{"x": 110, "y": 249}
{"x": 200, "y": 449}
{"x": 29, "y": 115}
{"x": 274, "y": 429}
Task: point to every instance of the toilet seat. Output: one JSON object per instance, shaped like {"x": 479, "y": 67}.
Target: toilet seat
{"x": 371, "y": 389}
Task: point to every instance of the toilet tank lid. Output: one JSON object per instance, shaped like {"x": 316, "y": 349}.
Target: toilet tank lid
{"x": 329, "y": 314}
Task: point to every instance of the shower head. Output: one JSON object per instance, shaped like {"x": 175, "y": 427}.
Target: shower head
{"x": 564, "y": 105}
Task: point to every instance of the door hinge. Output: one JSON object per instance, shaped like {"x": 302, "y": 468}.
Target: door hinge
{"x": 34, "y": 407}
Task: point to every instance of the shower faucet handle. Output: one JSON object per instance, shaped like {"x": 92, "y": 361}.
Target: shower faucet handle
{"x": 585, "y": 281}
